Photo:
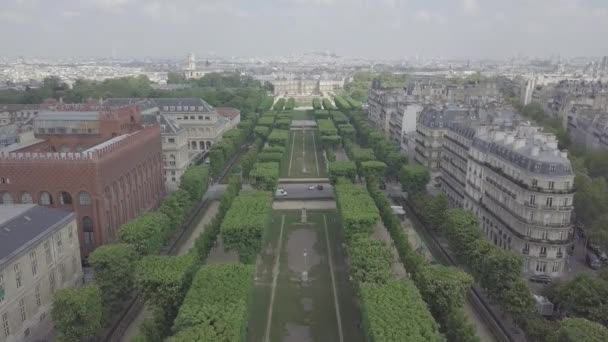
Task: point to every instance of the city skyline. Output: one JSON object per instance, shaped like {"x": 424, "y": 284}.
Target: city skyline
{"x": 387, "y": 29}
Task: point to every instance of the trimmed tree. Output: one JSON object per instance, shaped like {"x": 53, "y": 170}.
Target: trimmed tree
{"x": 146, "y": 233}
{"x": 114, "y": 266}
{"x": 278, "y": 137}
{"x": 264, "y": 176}
{"x": 414, "y": 178}
{"x": 342, "y": 169}
{"x": 580, "y": 329}
{"x": 195, "y": 181}
{"x": 357, "y": 209}
{"x": 77, "y": 313}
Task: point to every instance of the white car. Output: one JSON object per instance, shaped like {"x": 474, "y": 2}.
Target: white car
{"x": 312, "y": 187}
{"x": 280, "y": 192}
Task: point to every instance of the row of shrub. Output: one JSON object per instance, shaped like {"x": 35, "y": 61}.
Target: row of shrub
{"x": 290, "y": 104}
{"x": 392, "y": 309}
{"x": 80, "y": 313}
{"x": 279, "y": 105}
{"x": 245, "y": 223}
{"x": 341, "y": 103}
{"x": 327, "y": 105}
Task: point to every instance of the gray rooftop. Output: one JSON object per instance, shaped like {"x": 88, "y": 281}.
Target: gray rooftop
{"x": 199, "y": 104}
{"x": 68, "y": 116}
{"x": 23, "y": 224}
{"x": 433, "y": 118}
{"x": 143, "y": 104}
{"x": 167, "y": 125}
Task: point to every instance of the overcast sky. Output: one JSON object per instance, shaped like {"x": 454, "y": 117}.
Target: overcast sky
{"x": 356, "y": 28}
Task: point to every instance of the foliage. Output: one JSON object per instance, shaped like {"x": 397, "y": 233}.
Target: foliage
{"x": 278, "y": 137}
{"x": 354, "y": 104}
{"x": 206, "y": 240}
{"x": 330, "y": 142}
{"x": 114, "y": 266}
{"x": 291, "y": 104}
{"x": 176, "y": 207}
{"x": 432, "y": 209}
{"x": 321, "y": 114}
{"x": 357, "y": 210}
{"x": 248, "y": 160}
{"x": 347, "y": 131}
{"x": 370, "y": 260}
{"x": 341, "y": 103}
{"x": 372, "y": 170}
{"x": 77, "y": 313}
{"x": 345, "y": 169}
{"x": 218, "y": 301}
{"x": 246, "y": 222}
{"x": 264, "y": 176}
{"x": 279, "y": 105}
{"x": 195, "y": 181}
{"x": 266, "y": 121}
{"x": 585, "y": 296}
{"x": 414, "y": 178}
{"x": 274, "y": 149}
{"x": 261, "y": 132}
{"x": 580, "y": 329}
{"x": 282, "y": 123}
{"x": 266, "y": 157}
{"x": 316, "y": 103}
{"x": 361, "y": 83}
{"x": 443, "y": 288}
{"x": 327, "y": 105}
{"x": 265, "y": 104}
{"x": 164, "y": 280}
{"x": 146, "y": 233}
{"x": 458, "y": 329}
{"x": 327, "y": 127}
{"x": 396, "y": 312}
{"x": 339, "y": 118}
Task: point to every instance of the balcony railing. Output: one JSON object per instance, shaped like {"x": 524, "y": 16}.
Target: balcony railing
{"x": 526, "y": 186}
{"x": 542, "y": 255}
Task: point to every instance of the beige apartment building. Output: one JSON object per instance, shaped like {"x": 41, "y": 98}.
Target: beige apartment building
{"x": 39, "y": 254}
{"x": 519, "y": 184}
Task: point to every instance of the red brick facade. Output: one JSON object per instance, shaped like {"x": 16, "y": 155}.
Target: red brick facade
{"x": 122, "y": 180}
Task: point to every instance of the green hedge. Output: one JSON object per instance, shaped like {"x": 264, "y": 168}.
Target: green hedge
{"x": 195, "y": 181}
{"x": 146, "y": 233}
{"x": 278, "y": 137}
{"x": 342, "y": 169}
{"x": 341, "y": 103}
{"x": 327, "y": 105}
{"x": 246, "y": 222}
{"x": 321, "y": 114}
{"x": 316, "y": 103}
{"x": 264, "y": 176}
{"x": 274, "y": 149}
{"x": 279, "y": 105}
{"x": 356, "y": 207}
{"x": 266, "y": 121}
{"x": 339, "y": 118}
{"x": 272, "y": 157}
{"x": 396, "y": 312}
{"x": 290, "y": 104}
{"x": 217, "y": 304}
{"x": 327, "y": 127}
{"x": 370, "y": 260}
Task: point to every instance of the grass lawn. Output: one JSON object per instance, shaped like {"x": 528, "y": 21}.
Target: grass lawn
{"x": 304, "y": 156}
{"x": 304, "y": 310}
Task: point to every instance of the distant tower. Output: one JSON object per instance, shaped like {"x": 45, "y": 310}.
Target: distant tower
{"x": 191, "y": 61}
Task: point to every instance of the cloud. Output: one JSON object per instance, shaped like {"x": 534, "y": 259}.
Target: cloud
{"x": 470, "y": 7}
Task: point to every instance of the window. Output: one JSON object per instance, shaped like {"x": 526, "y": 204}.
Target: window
{"x": 532, "y": 199}
{"x": 70, "y": 235}
{"x": 65, "y": 198}
{"x": 26, "y": 198}
{"x": 5, "y": 326}
{"x": 207, "y": 118}
{"x": 37, "y": 292}
{"x": 87, "y": 229}
{"x": 7, "y": 198}
{"x": 47, "y": 252}
{"x": 567, "y": 185}
{"x": 59, "y": 243}
{"x": 549, "y": 201}
{"x": 22, "y": 309}
{"x": 551, "y": 185}
{"x": 46, "y": 198}
{"x": 18, "y": 275}
{"x": 543, "y": 251}
{"x": 171, "y": 140}
{"x": 34, "y": 263}
{"x": 551, "y": 168}
{"x": 531, "y": 216}
{"x": 535, "y": 182}
{"x": 556, "y": 267}
{"x": 74, "y": 264}
{"x": 200, "y": 117}
{"x": 541, "y": 266}
{"x": 566, "y": 202}
{"x": 62, "y": 273}
{"x": 52, "y": 281}
{"x": 2, "y": 294}
{"x": 84, "y": 198}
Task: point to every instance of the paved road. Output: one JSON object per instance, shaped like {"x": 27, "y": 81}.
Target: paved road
{"x": 298, "y": 191}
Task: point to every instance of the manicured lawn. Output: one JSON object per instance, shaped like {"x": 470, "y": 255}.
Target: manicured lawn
{"x": 304, "y": 156}
{"x": 303, "y": 310}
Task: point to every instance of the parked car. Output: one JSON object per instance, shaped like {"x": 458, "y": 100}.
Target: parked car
{"x": 541, "y": 279}
{"x": 312, "y": 187}
{"x": 280, "y": 192}
{"x": 593, "y": 261}
{"x": 319, "y": 186}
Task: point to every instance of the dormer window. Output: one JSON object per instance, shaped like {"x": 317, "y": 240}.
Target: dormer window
{"x": 179, "y": 108}
{"x": 166, "y": 108}
{"x": 200, "y": 108}
{"x": 552, "y": 168}
{"x": 172, "y": 108}
{"x": 192, "y": 108}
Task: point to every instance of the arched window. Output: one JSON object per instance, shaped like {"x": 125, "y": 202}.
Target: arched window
{"x": 87, "y": 229}
{"x": 208, "y": 145}
{"x": 46, "y": 198}
{"x": 65, "y": 198}
{"x": 84, "y": 198}
{"x": 7, "y": 198}
{"x": 26, "y": 198}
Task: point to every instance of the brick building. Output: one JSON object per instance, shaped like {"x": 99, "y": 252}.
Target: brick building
{"x": 100, "y": 163}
